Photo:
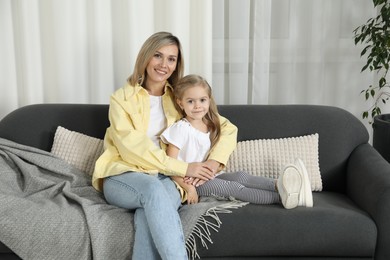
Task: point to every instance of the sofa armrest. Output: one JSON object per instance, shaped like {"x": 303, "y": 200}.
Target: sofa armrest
{"x": 368, "y": 185}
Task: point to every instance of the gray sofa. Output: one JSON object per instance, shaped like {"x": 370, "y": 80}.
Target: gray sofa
{"x": 350, "y": 218}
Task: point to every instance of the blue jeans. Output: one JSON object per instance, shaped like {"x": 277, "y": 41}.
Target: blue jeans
{"x": 156, "y": 200}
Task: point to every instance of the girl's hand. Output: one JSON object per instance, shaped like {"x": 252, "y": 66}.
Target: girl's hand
{"x": 192, "y": 196}
{"x": 200, "y": 170}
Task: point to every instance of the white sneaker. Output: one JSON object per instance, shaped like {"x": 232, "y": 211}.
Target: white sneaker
{"x": 289, "y": 186}
{"x": 305, "y": 195}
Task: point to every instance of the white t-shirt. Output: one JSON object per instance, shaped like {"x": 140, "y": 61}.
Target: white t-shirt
{"x": 157, "y": 120}
{"x": 194, "y": 145}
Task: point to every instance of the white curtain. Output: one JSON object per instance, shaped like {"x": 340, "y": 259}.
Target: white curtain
{"x": 252, "y": 51}
{"x": 80, "y": 51}
{"x": 290, "y": 52}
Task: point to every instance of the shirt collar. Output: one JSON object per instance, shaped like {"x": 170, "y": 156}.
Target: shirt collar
{"x": 167, "y": 87}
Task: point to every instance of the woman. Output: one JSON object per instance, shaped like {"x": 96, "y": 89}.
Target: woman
{"x": 133, "y": 172}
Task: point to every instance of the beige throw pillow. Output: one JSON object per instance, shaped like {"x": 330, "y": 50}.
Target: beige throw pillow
{"x": 268, "y": 157}
{"x": 77, "y": 149}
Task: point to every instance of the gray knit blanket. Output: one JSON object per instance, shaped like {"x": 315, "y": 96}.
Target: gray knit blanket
{"x": 49, "y": 210}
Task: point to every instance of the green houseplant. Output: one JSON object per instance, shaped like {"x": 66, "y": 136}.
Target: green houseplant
{"x": 375, "y": 35}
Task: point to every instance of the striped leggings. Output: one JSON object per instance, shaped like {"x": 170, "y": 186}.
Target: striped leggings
{"x": 241, "y": 186}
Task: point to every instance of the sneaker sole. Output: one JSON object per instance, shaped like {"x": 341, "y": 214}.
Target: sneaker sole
{"x": 306, "y": 187}
{"x": 292, "y": 183}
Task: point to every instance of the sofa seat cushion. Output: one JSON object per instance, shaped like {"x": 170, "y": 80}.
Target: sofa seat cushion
{"x": 334, "y": 227}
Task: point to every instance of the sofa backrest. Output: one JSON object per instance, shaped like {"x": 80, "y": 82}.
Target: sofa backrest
{"x": 35, "y": 125}
{"x": 339, "y": 131}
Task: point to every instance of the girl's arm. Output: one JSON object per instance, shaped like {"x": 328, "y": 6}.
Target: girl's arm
{"x": 192, "y": 195}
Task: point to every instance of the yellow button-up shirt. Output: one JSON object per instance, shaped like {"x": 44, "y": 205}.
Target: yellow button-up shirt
{"x": 127, "y": 146}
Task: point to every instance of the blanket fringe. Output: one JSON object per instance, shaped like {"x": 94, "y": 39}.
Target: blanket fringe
{"x": 207, "y": 222}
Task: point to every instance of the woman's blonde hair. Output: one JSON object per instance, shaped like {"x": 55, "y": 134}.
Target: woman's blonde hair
{"x": 211, "y": 119}
{"x": 148, "y": 49}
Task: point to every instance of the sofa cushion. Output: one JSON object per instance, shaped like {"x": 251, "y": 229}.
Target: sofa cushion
{"x": 333, "y": 227}
{"x": 77, "y": 149}
{"x": 268, "y": 157}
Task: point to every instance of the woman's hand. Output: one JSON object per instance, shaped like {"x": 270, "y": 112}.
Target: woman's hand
{"x": 210, "y": 164}
{"x": 200, "y": 170}
{"x": 193, "y": 181}
{"x": 213, "y": 165}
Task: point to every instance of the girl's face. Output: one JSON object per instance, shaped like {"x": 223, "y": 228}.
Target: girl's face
{"x": 195, "y": 102}
{"x": 162, "y": 65}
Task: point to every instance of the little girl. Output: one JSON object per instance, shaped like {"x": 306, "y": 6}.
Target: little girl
{"x": 191, "y": 138}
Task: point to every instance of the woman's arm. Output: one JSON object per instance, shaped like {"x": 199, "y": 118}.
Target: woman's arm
{"x": 220, "y": 153}
{"x": 226, "y": 144}
{"x": 128, "y": 136}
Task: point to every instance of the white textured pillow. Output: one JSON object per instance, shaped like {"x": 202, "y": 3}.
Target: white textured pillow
{"x": 268, "y": 157}
{"x": 77, "y": 149}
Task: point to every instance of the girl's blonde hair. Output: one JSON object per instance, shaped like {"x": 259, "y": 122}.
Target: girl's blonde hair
{"x": 211, "y": 119}
{"x": 148, "y": 49}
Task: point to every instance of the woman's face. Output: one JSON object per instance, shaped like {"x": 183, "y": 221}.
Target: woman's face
{"x": 162, "y": 65}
